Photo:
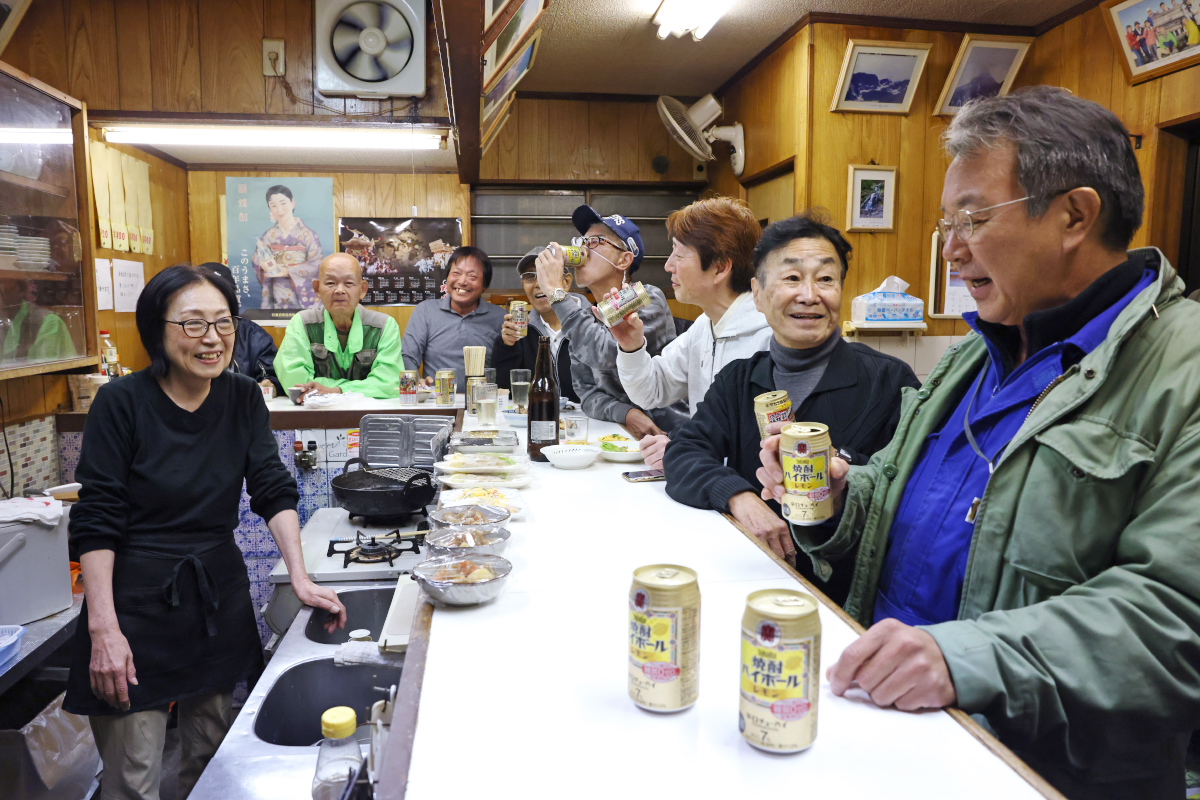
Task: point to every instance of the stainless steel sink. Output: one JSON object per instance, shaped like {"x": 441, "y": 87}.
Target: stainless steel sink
{"x": 365, "y": 608}
{"x": 291, "y": 712}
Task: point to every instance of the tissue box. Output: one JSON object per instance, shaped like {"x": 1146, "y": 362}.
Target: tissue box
{"x": 887, "y": 307}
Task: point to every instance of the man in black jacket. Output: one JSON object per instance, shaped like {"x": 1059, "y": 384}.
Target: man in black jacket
{"x": 254, "y": 350}
{"x": 800, "y": 269}
{"x": 511, "y": 352}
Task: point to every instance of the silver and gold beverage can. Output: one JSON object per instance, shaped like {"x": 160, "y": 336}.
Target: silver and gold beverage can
{"x": 628, "y": 300}
{"x": 572, "y": 256}
{"x": 409, "y": 380}
{"x": 472, "y": 382}
{"x": 664, "y": 638}
{"x": 804, "y": 454}
{"x": 771, "y": 407}
{"x": 520, "y": 317}
{"x": 444, "y": 384}
{"x": 781, "y": 670}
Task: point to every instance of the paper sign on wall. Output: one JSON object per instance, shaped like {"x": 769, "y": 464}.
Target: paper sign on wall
{"x": 100, "y": 190}
{"x": 145, "y": 212}
{"x": 129, "y": 181}
{"x": 116, "y": 202}
{"x": 104, "y": 284}
{"x": 128, "y": 280}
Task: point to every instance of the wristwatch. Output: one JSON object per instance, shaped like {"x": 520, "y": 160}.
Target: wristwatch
{"x": 558, "y": 295}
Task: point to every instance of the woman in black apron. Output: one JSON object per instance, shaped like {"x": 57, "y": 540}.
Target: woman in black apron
{"x": 168, "y": 615}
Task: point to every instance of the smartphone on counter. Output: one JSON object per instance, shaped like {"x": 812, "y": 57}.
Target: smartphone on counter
{"x": 644, "y": 476}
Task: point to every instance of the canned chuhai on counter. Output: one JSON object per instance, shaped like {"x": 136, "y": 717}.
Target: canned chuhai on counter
{"x": 771, "y": 407}
{"x": 781, "y": 670}
{"x": 472, "y": 382}
{"x": 628, "y": 300}
{"x": 664, "y": 638}
{"x": 444, "y": 383}
{"x": 804, "y": 453}
{"x": 409, "y": 379}
{"x": 520, "y": 317}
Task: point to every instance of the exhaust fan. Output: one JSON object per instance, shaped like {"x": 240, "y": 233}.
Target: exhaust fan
{"x": 690, "y": 128}
{"x": 373, "y": 50}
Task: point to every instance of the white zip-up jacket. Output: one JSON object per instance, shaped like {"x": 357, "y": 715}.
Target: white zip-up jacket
{"x": 686, "y": 367}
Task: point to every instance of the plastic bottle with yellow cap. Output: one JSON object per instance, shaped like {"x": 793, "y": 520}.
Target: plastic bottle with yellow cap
{"x": 339, "y": 758}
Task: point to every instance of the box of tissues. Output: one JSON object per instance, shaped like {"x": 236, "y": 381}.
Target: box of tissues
{"x": 889, "y": 303}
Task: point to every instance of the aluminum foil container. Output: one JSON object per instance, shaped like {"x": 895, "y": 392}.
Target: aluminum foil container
{"x": 462, "y": 594}
{"x": 439, "y": 543}
{"x": 445, "y": 517}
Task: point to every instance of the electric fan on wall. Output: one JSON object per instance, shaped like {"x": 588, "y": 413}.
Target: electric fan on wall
{"x": 689, "y": 127}
{"x": 372, "y": 49}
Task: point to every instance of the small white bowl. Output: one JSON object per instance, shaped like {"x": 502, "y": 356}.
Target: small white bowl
{"x": 571, "y": 456}
{"x": 623, "y": 456}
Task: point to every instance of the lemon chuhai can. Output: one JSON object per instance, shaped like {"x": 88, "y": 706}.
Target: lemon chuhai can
{"x": 781, "y": 670}
{"x": 664, "y": 638}
{"x": 804, "y": 455}
{"x": 771, "y": 407}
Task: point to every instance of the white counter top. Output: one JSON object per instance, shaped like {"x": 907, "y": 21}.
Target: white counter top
{"x": 527, "y": 696}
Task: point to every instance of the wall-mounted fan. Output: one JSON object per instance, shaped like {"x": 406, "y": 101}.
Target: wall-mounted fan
{"x": 690, "y": 128}
{"x": 371, "y": 49}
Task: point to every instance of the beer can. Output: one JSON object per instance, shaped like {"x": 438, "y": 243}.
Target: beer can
{"x": 472, "y": 382}
{"x": 804, "y": 454}
{"x": 409, "y": 380}
{"x": 520, "y": 317}
{"x": 572, "y": 256}
{"x": 444, "y": 384}
{"x": 664, "y": 638}
{"x": 781, "y": 670}
{"x": 771, "y": 407}
{"x": 626, "y": 301}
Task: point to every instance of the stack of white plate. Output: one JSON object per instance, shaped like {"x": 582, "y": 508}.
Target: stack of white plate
{"x": 8, "y": 240}
{"x": 33, "y": 252}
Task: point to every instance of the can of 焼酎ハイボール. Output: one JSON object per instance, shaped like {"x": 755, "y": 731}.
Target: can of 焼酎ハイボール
{"x": 664, "y": 638}
{"x": 443, "y": 383}
{"x": 781, "y": 670}
{"x": 804, "y": 453}
{"x": 519, "y": 310}
{"x": 771, "y": 407}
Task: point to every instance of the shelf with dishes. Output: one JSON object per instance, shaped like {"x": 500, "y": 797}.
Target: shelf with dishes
{"x": 31, "y": 183}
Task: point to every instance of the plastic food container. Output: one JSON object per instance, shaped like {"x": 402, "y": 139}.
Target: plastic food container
{"x": 453, "y": 517}
{"x": 461, "y": 594}
{"x": 446, "y": 542}
{"x": 10, "y": 641}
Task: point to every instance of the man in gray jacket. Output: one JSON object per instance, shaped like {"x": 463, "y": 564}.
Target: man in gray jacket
{"x": 614, "y": 249}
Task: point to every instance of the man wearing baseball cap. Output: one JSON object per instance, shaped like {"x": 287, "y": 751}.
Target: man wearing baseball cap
{"x": 614, "y": 250}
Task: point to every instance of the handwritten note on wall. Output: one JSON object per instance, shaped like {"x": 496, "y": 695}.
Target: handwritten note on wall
{"x": 128, "y": 280}
{"x": 104, "y": 284}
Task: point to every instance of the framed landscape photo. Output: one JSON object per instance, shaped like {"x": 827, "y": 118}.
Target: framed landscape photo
{"x": 880, "y": 77}
{"x": 871, "y": 198}
{"x": 492, "y": 9}
{"x": 949, "y": 298}
{"x": 1154, "y": 37}
{"x": 984, "y": 67}
{"x": 492, "y": 135}
{"x": 490, "y": 123}
{"x": 514, "y": 33}
{"x": 506, "y": 79}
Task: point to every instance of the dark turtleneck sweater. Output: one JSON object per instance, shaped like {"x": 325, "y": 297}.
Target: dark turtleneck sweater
{"x": 799, "y": 371}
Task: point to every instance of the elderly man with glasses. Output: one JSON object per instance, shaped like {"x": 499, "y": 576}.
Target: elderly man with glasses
{"x": 1028, "y": 545}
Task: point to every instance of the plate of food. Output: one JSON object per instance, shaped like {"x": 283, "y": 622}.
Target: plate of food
{"x": 508, "y": 499}
{"x": 615, "y": 447}
{"x": 484, "y": 440}
{"x": 483, "y": 463}
{"x": 500, "y": 480}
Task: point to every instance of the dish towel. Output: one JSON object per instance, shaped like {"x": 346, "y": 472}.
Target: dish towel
{"x": 46, "y": 510}
{"x": 366, "y": 653}
{"x": 332, "y": 399}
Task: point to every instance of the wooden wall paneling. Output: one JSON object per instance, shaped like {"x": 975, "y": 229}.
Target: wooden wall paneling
{"x": 805, "y": 102}
{"x": 135, "y": 85}
{"x": 56, "y": 392}
{"x": 358, "y": 194}
{"x": 533, "y": 147}
{"x": 231, "y": 34}
{"x": 655, "y": 141}
{"x": 1097, "y": 63}
{"x": 387, "y": 197}
{"x": 568, "y": 135}
{"x": 629, "y": 147}
{"x": 204, "y": 212}
{"x": 92, "y": 52}
{"x": 175, "y": 55}
{"x": 1070, "y": 58}
{"x": 1043, "y": 63}
{"x": 1180, "y": 95}
{"x": 507, "y": 148}
{"x": 604, "y": 139}
{"x": 1164, "y": 224}
{"x": 292, "y": 22}
{"x": 37, "y": 46}
{"x": 768, "y": 98}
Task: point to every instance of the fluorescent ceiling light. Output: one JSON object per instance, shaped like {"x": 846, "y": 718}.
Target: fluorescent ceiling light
{"x": 280, "y": 136}
{"x": 35, "y": 136}
{"x": 677, "y": 17}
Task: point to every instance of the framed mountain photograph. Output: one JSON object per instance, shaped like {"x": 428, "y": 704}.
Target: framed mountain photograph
{"x": 880, "y": 77}
{"x": 985, "y": 66}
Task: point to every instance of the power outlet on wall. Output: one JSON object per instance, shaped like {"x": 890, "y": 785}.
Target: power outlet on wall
{"x": 273, "y": 64}
{"x": 699, "y": 170}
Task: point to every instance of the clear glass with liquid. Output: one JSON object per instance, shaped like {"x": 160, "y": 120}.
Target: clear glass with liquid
{"x": 486, "y": 405}
{"x": 519, "y": 380}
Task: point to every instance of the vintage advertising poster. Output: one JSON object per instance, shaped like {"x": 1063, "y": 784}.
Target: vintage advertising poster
{"x": 404, "y": 259}
{"x": 278, "y": 230}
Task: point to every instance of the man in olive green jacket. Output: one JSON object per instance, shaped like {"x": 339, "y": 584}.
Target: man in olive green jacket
{"x": 1076, "y": 629}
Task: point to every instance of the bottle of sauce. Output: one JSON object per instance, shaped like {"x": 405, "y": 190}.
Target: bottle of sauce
{"x": 111, "y": 361}
{"x": 339, "y": 756}
{"x": 543, "y": 403}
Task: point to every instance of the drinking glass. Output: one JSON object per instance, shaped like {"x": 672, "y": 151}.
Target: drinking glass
{"x": 486, "y": 404}
{"x": 574, "y": 428}
{"x": 489, "y": 375}
{"x": 519, "y": 380}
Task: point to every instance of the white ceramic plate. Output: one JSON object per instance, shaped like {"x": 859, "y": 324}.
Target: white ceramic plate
{"x": 625, "y": 457}
{"x": 485, "y": 465}
{"x": 459, "y": 480}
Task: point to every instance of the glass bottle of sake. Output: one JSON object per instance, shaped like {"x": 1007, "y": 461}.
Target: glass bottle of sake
{"x": 543, "y": 403}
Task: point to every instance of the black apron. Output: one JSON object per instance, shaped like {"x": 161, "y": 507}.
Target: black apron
{"x": 183, "y": 603}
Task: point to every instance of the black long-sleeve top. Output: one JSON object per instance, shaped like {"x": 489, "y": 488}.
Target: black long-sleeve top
{"x": 150, "y": 469}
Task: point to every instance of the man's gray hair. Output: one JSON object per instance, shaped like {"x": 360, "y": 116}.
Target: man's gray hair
{"x": 1063, "y": 142}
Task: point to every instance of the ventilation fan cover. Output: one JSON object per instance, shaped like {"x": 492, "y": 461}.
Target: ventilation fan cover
{"x": 683, "y": 129}
{"x": 372, "y": 49}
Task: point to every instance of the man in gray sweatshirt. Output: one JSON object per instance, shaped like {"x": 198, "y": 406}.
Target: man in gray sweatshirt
{"x": 614, "y": 249}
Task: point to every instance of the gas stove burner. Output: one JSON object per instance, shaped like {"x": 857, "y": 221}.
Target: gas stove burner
{"x": 399, "y": 520}
{"x": 375, "y": 548}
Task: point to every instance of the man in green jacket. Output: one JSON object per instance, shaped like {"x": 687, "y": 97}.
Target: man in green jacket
{"x": 341, "y": 346}
{"x": 1027, "y": 548}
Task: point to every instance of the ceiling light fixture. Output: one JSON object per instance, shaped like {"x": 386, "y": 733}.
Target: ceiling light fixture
{"x": 280, "y": 136}
{"x": 35, "y": 136}
{"x": 677, "y": 17}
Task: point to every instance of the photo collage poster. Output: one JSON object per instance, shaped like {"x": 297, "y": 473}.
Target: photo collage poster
{"x": 404, "y": 259}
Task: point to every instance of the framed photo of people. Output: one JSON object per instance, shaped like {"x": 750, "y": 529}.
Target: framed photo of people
{"x": 511, "y": 36}
{"x": 278, "y": 231}
{"x": 1154, "y": 37}
{"x": 880, "y": 77}
{"x": 985, "y": 66}
{"x": 949, "y": 298}
{"x": 871, "y": 198}
{"x": 403, "y": 258}
{"x": 495, "y": 94}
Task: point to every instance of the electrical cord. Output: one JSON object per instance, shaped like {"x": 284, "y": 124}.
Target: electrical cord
{"x": 292, "y": 96}
{"x": 12, "y": 475}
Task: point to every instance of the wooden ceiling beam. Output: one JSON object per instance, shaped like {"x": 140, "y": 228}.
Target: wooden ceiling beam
{"x": 459, "y": 26}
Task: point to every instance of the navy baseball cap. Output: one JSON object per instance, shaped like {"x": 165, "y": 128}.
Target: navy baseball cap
{"x": 585, "y": 217}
